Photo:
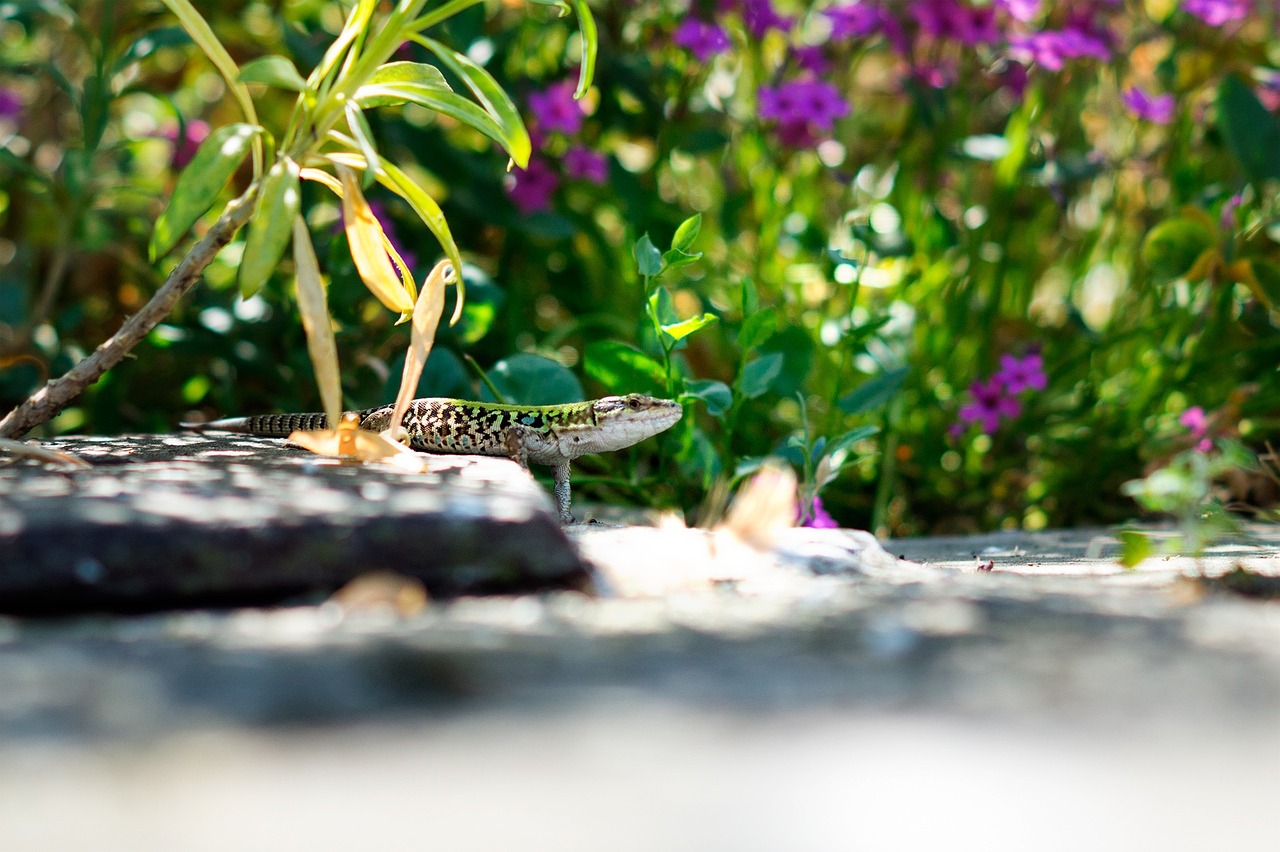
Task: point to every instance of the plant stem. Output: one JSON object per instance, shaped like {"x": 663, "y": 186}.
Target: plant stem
{"x": 45, "y": 403}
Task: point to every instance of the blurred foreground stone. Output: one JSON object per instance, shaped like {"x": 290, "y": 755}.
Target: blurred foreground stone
{"x": 205, "y": 520}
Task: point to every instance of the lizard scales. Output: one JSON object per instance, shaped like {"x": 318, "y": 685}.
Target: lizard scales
{"x": 552, "y": 435}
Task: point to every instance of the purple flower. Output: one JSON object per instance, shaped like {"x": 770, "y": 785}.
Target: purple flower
{"x": 701, "y": 38}
{"x": 1051, "y": 49}
{"x": 193, "y": 133}
{"x": 1157, "y": 110}
{"x": 812, "y": 58}
{"x": 531, "y": 189}
{"x": 854, "y": 20}
{"x": 803, "y": 102}
{"x": 1215, "y": 13}
{"x": 10, "y": 104}
{"x": 817, "y": 517}
{"x": 1197, "y": 424}
{"x": 758, "y": 15}
{"x": 1020, "y": 10}
{"x": 990, "y": 404}
{"x": 584, "y": 164}
{"x": 950, "y": 19}
{"x": 555, "y": 109}
{"x": 1020, "y": 374}
{"x": 1227, "y": 219}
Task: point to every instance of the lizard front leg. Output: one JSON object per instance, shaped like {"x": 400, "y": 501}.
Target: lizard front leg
{"x": 514, "y": 441}
{"x": 560, "y": 470}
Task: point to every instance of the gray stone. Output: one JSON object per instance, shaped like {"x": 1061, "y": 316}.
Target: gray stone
{"x": 185, "y": 520}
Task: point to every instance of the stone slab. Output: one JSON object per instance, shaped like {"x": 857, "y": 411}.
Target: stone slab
{"x": 186, "y": 520}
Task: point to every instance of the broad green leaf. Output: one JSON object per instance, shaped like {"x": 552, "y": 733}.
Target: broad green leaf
{"x": 273, "y": 71}
{"x": 1134, "y": 548}
{"x": 314, "y": 309}
{"x": 528, "y": 379}
{"x": 757, "y": 328}
{"x": 623, "y": 369}
{"x": 1251, "y": 132}
{"x": 757, "y": 375}
{"x": 417, "y": 73}
{"x": 648, "y": 258}
{"x": 661, "y": 308}
{"x": 716, "y": 395}
{"x": 366, "y": 238}
{"x": 874, "y": 392}
{"x": 590, "y": 43}
{"x": 271, "y": 226}
{"x": 490, "y": 95}
{"x": 1172, "y": 247}
{"x": 681, "y": 330}
{"x": 198, "y": 186}
{"x": 686, "y": 234}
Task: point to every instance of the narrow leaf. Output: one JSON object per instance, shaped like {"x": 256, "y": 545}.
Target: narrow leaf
{"x": 198, "y": 186}
{"x": 426, "y": 319}
{"x": 419, "y": 73}
{"x": 590, "y": 43}
{"x": 271, "y": 226}
{"x": 366, "y": 238}
{"x": 447, "y": 103}
{"x": 314, "y": 308}
{"x": 357, "y": 22}
{"x": 363, "y": 134}
{"x": 490, "y": 95}
{"x": 273, "y": 71}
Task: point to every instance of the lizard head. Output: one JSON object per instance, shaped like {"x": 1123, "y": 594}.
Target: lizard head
{"x": 626, "y": 420}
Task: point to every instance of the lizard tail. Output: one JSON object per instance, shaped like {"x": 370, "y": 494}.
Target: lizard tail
{"x": 266, "y": 425}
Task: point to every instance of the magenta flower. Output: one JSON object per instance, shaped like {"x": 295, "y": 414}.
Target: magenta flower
{"x": 990, "y": 404}
{"x": 812, "y": 58}
{"x": 1052, "y": 49}
{"x": 1227, "y": 219}
{"x": 531, "y": 189}
{"x": 701, "y": 38}
{"x": 584, "y": 164}
{"x": 555, "y": 110}
{"x": 1215, "y": 13}
{"x": 1197, "y": 424}
{"x": 10, "y": 104}
{"x": 193, "y": 133}
{"x": 950, "y": 19}
{"x": 1020, "y": 374}
{"x": 1020, "y": 10}
{"x": 1157, "y": 110}
{"x": 817, "y": 517}
{"x": 854, "y": 20}
{"x": 806, "y": 102}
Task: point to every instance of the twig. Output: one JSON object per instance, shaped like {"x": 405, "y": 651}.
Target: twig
{"x": 45, "y": 403}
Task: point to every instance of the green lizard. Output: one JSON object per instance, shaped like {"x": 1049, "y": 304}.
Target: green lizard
{"x": 553, "y": 435}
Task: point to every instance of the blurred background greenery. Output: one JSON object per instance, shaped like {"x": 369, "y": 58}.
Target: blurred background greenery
{"x": 970, "y": 264}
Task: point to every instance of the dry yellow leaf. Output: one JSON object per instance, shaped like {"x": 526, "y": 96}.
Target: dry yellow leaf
{"x": 314, "y": 308}
{"x": 426, "y": 319}
{"x": 367, "y": 242}
{"x": 349, "y": 441}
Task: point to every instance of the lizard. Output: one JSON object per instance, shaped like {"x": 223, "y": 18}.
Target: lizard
{"x": 552, "y": 435}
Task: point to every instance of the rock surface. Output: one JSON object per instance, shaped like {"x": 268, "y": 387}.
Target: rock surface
{"x": 195, "y": 520}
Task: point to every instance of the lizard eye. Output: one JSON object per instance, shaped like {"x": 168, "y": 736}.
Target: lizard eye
{"x": 633, "y": 404}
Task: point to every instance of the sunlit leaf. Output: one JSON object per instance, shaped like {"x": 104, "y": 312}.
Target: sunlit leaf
{"x": 490, "y": 95}
{"x": 1135, "y": 547}
{"x": 448, "y": 103}
{"x": 313, "y": 306}
{"x": 198, "y": 186}
{"x": 687, "y": 233}
{"x": 356, "y": 23}
{"x": 426, "y": 319}
{"x": 275, "y": 71}
{"x": 366, "y": 238}
{"x": 270, "y": 227}
{"x": 623, "y": 369}
{"x": 681, "y": 330}
{"x": 419, "y": 73}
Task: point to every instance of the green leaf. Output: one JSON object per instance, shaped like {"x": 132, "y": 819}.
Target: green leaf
{"x": 1134, "y": 548}
{"x": 874, "y": 392}
{"x": 590, "y": 43}
{"x": 445, "y": 102}
{"x": 848, "y": 439}
{"x": 676, "y": 259}
{"x": 757, "y": 328}
{"x": 490, "y": 95}
{"x": 148, "y": 43}
{"x": 1251, "y": 132}
{"x": 648, "y": 258}
{"x": 661, "y": 308}
{"x": 623, "y": 369}
{"x": 271, "y": 226}
{"x": 715, "y": 395}
{"x": 417, "y": 73}
{"x": 365, "y": 144}
{"x": 442, "y": 376}
{"x": 681, "y": 330}
{"x": 528, "y": 379}
{"x": 757, "y": 375}
{"x": 200, "y": 182}
{"x": 686, "y": 234}
{"x": 273, "y": 71}
{"x": 1172, "y": 247}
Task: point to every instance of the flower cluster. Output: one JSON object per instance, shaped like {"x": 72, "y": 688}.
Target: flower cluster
{"x": 802, "y": 109}
{"x": 557, "y": 116}
{"x": 997, "y": 398}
